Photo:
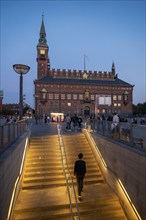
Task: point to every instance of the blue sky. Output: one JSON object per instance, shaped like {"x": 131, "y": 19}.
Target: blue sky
{"x": 105, "y": 31}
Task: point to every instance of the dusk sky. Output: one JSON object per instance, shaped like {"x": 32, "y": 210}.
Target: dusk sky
{"x": 105, "y": 31}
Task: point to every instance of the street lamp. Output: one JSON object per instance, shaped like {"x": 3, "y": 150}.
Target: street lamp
{"x": 1, "y": 98}
{"x": 21, "y": 69}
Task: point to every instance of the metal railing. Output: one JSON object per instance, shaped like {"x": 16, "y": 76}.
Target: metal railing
{"x": 9, "y": 133}
{"x": 132, "y": 134}
{"x": 68, "y": 176}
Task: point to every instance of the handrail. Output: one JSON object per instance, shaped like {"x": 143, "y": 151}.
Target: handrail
{"x": 62, "y": 148}
{"x": 9, "y": 133}
{"x": 17, "y": 182}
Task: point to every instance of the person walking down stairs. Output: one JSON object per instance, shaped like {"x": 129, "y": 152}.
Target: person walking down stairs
{"x": 79, "y": 172}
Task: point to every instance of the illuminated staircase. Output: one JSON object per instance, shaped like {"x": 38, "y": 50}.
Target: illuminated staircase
{"x": 75, "y": 144}
{"x": 44, "y": 185}
{"x": 98, "y": 200}
{"x": 44, "y": 194}
{"x": 43, "y": 166}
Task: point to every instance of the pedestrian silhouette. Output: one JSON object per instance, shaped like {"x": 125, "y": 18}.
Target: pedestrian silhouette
{"x": 79, "y": 172}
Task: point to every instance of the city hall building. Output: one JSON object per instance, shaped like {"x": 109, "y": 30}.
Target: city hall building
{"x": 59, "y": 92}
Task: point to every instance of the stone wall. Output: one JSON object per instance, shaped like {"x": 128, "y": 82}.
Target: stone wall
{"x": 10, "y": 163}
{"x": 129, "y": 165}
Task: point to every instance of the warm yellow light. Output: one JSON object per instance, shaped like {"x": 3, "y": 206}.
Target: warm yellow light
{"x": 97, "y": 149}
{"x": 125, "y": 192}
{"x": 17, "y": 181}
{"x": 42, "y": 52}
{"x": 12, "y": 198}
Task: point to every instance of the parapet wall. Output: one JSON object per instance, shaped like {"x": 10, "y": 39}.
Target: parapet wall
{"x": 80, "y": 74}
{"x": 129, "y": 165}
{"x": 10, "y": 163}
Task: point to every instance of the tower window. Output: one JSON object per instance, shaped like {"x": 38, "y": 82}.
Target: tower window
{"x": 42, "y": 52}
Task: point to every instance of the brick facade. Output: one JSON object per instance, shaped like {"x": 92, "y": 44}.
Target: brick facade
{"x": 81, "y": 92}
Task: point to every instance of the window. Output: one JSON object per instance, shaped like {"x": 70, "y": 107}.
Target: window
{"x": 92, "y": 97}
{"x": 119, "y": 97}
{"x": 62, "y": 96}
{"x": 68, "y": 104}
{"x": 108, "y": 100}
{"x": 104, "y": 100}
{"x": 68, "y": 96}
{"x": 114, "y": 97}
{"x": 50, "y": 96}
{"x": 80, "y": 96}
{"x": 119, "y": 104}
{"x": 75, "y": 96}
{"x": 115, "y": 104}
{"x": 42, "y": 52}
{"x": 101, "y": 100}
{"x": 56, "y": 96}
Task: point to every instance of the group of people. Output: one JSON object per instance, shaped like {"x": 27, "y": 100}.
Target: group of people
{"x": 74, "y": 122}
{"x": 108, "y": 123}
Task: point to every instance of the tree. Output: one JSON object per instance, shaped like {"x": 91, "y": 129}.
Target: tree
{"x": 139, "y": 109}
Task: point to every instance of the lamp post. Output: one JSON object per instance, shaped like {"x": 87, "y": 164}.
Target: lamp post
{"x": 36, "y": 108}
{"x": 21, "y": 69}
{"x": 1, "y": 98}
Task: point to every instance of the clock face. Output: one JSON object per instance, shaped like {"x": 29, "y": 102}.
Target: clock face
{"x": 42, "y": 52}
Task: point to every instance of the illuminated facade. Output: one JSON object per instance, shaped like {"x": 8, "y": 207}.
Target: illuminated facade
{"x": 81, "y": 92}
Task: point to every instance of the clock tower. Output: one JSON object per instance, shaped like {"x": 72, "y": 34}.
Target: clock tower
{"x": 43, "y": 62}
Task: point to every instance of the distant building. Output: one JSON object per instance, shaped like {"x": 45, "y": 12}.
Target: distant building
{"x": 58, "y": 92}
{"x": 12, "y": 107}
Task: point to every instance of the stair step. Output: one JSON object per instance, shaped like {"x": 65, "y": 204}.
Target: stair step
{"x": 41, "y": 164}
{"x": 63, "y": 213}
{"x": 97, "y": 209}
{"x": 43, "y": 185}
{"x": 43, "y": 157}
{"x": 43, "y": 179}
{"x": 39, "y": 169}
{"x": 46, "y": 149}
{"x": 43, "y": 173}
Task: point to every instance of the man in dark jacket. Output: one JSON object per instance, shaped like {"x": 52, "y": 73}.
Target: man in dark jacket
{"x": 79, "y": 172}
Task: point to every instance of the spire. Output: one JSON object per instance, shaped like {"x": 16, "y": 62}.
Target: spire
{"x": 42, "y": 39}
{"x": 113, "y": 68}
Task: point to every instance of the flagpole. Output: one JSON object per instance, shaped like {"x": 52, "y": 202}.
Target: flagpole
{"x": 84, "y": 63}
